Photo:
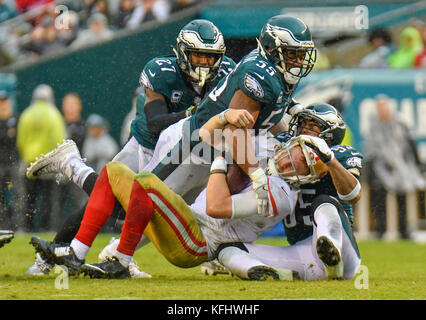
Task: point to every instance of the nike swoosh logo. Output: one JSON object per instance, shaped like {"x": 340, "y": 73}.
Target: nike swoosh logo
{"x": 261, "y": 77}
{"x": 151, "y": 74}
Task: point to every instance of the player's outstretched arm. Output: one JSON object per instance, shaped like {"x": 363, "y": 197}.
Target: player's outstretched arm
{"x": 218, "y": 196}
{"x": 219, "y": 201}
{"x": 347, "y": 185}
{"x": 239, "y": 118}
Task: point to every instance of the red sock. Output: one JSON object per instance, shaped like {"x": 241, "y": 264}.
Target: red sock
{"x": 98, "y": 210}
{"x": 138, "y": 215}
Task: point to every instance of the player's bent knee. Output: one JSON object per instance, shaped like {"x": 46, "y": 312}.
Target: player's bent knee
{"x": 323, "y": 201}
{"x": 238, "y": 245}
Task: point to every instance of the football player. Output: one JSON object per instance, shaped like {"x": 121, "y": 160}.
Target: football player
{"x": 262, "y": 83}
{"x": 174, "y": 87}
{"x": 320, "y": 229}
{"x": 188, "y": 235}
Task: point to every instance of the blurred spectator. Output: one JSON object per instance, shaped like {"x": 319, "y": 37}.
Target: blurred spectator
{"x": 147, "y": 10}
{"x": 70, "y": 29}
{"x": 99, "y": 147}
{"x": 40, "y": 128}
{"x": 34, "y": 47}
{"x": 87, "y": 9}
{"x": 26, "y": 5}
{"x": 72, "y": 108}
{"x": 11, "y": 180}
{"x": 178, "y": 5}
{"x": 98, "y": 32}
{"x": 420, "y": 61}
{"x": 6, "y": 12}
{"x": 127, "y": 8}
{"x": 102, "y": 6}
{"x": 51, "y": 43}
{"x": 409, "y": 47}
{"x": 125, "y": 128}
{"x": 70, "y": 196}
{"x": 393, "y": 164}
{"x": 380, "y": 41}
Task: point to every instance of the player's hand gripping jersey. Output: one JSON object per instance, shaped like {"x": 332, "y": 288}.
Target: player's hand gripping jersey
{"x": 298, "y": 225}
{"x": 162, "y": 75}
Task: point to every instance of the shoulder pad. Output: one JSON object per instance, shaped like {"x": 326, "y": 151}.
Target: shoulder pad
{"x": 260, "y": 79}
{"x": 349, "y": 157}
{"x": 157, "y": 71}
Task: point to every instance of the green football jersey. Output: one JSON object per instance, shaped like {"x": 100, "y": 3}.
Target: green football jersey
{"x": 163, "y": 76}
{"x": 257, "y": 78}
{"x": 298, "y": 226}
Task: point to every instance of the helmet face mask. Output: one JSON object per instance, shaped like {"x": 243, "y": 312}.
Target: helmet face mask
{"x": 326, "y": 117}
{"x": 294, "y": 176}
{"x": 287, "y": 43}
{"x": 200, "y": 38}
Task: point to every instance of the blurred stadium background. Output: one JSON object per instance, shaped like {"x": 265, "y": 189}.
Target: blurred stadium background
{"x": 106, "y": 75}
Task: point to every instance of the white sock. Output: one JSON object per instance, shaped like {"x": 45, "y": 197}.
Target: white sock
{"x": 123, "y": 258}
{"x": 80, "y": 249}
{"x": 329, "y": 224}
{"x": 238, "y": 261}
{"x": 80, "y": 171}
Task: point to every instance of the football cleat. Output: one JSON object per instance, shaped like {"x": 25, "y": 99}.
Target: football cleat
{"x": 214, "y": 267}
{"x": 330, "y": 257}
{"x": 109, "y": 251}
{"x": 55, "y": 253}
{"x": 6, "y": 236}
{"x": 56, "y": 161}
{"x": 40, "y": 267}
{"x": 110, "y": 269}
{"x": 262, "y": 273}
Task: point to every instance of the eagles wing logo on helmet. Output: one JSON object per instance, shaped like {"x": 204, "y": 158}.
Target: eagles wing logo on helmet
{"x": 284, "y": 36}
{"x": 253, "y": 86}
{"x": 144, "y": 81}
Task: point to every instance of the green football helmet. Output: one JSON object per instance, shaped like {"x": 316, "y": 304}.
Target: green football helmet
{"x": 200, "y": 36}
{"x": 287, "y": 42}
{"x": 333, "y": 128}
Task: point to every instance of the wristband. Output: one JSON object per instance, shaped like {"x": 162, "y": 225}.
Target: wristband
{"x": 351, "y": 195}
{"x": 219, "y": 165}
{"x": 222, "y": 118}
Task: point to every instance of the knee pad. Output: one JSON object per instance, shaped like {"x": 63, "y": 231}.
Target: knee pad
{"x": 238, "y": 245}
{"x": 324, "y": 198}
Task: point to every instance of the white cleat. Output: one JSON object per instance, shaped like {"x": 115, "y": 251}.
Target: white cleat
{"x": 109, "y": 251}
{"x": 331, "y": 258}
{"x": 214, "y": 267}
{"x": 6, "y": 236}
{"x": 40, "y": 267}
{"x": 55, "y": 161}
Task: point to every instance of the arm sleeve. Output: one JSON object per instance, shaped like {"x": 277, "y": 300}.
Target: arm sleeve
{"x": 244, "y": 204}
{"x": 158, "y": 117}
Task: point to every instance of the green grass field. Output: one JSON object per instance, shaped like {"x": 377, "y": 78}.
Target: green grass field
{"x": 396, "y": 270}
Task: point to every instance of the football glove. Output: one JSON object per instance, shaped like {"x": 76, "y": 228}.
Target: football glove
{"x": 260, "y": 186}
{"x": 320, "y": 147}
{"x": 294, "y": 107}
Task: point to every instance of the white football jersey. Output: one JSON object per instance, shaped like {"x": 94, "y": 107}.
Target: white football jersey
{"x": 282, "y": 201}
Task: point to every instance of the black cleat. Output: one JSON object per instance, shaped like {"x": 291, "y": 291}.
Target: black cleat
{"x": 55, "y": 253}
{"x": 6, "y": 236}
{"x": 330, "y": 257}
{"x": 262, "y": 273}
{"x": 110, "y": 269}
